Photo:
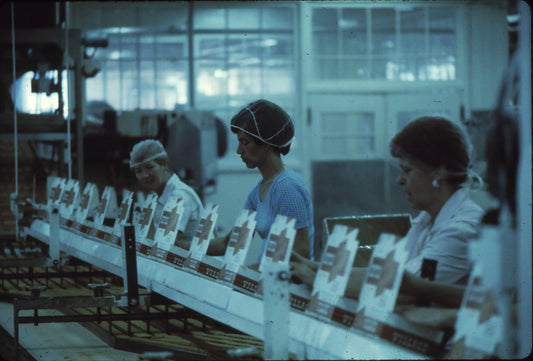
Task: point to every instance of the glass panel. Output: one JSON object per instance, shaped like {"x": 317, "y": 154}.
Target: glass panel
{"x": 94, "y": 87}
{"x": 383, "y": 32}
{"x": 173, "y": 17}
{"x": 277, "y": 45}
{"x": 353, "y": 69}
{"x": 325, "y": 31}
{"x": 413, "y": 31}
{"x": 146, "y": 85}
{"x": 362, "y": 123}
{"x": 277, "y": 18}
{"x": 171, "y": 80}
{"x": 406, "y": 69}
{"x": 335, "y": 146}
{"x": 129, "y": 86}
{"x": 364, "y": 146}
{"x": 128, "y": 47}
{"x": 353, "y": 29}
{"x": 442, "y": 18}
{"x": 334, "y": 122}
{"x": 440, "y": 69}
{"x": 324, "y": 19}
{"x": 279, "y": 81}
{"x": 209, "y": 18}
{"x": 213, "y": 48}
{"x": 244, "y": 48}
{"x": 326, "y": 68}
{"x": 244, "y": 81}
{"x": 412, "y": 20}
{"x": 170, "y": 46}
{"x": 211, "y": 83}
{"x": 325, "y": 43}
{"x": 146, "y": 46}
{"x": 381, "y": 69}
{"x": 243, "y": 18}
{"x": 441, "y": 44}
{"x": 112, "y": 84}
{"x": 442, "y": 23}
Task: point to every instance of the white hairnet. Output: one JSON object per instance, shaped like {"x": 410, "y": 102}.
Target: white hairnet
{"x": 145, "y": 151}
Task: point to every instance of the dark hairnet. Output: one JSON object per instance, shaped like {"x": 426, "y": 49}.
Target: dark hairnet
{"x": 265, "y": 121}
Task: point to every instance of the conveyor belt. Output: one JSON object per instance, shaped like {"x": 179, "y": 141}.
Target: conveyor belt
{"x": 194, "y": 336}
{"x": 309, "y": 336}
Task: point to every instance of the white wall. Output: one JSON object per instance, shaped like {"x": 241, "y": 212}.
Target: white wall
{"x": 487, "y": 52}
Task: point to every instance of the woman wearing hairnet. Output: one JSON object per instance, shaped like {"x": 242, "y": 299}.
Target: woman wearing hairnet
{"x": 436, "y": 175}
{"x": 265, "y": 132}
{"x": 149, "y": 162}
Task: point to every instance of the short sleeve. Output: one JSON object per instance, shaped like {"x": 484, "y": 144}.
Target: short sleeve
{"x": 293, "y": 201}
{"x": 252, "y": 199}
{"x": 449, "y": 247}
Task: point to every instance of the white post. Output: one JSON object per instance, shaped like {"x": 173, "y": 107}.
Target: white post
{"x": 276, "y": 302}
{"x": 523, "y": 193}
{"x": 54, "y": 235}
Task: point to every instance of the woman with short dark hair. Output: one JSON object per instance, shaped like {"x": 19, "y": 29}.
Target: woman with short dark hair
{"x": 265, "y": 132}
{"x": 436, "y": 173}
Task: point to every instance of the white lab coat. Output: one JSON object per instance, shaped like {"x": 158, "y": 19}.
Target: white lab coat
{"x": 446, "y": 240}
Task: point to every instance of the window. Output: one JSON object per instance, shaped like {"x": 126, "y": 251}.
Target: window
{"x": 144, "y": 70}
{"x": 400, "y": 43}
{"x": 32, "y": 99}
{"x": 347, "y": 133}
{"x": 243, "y": 53}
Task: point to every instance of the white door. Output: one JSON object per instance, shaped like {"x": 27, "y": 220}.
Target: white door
{"x": 405, "y": 107}
{"x": 345, "y": 126}
{"x": 349, "y": 150}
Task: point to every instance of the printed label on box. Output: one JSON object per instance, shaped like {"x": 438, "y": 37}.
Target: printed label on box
{"x": 384, "y": 276}
{"x": 204, "y": 233}
{"x": 145, "y": 217}
{"x": 334, "y": 271}
{"x": 279, "y": 242}
{"x": 56, "y": 191}
{"x": 122, "y": 218}
{"x": 101, "y": 210}
{"x": 85, "y": 201}
{"x": 239, "y": 241}
{"x": 69, "y": 198}
{"x": 479, "y": 324}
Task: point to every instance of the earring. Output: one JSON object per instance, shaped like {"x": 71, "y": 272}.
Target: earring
{"x": 435, "y": 184}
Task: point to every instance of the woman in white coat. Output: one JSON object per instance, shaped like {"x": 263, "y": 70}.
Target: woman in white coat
{"x": 434, "y": 156}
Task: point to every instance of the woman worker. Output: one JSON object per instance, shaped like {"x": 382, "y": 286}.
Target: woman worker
{"x": 265, "y": 132}
{"x": 435, "y": 173}
{"x": 149, "y": 162}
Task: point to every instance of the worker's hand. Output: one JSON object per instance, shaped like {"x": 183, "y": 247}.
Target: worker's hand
{"x": 435, "y": 317}
{"x": 296, "y": 257}
{"x": 303, "y": 273}
{"x": 410, "y": 283}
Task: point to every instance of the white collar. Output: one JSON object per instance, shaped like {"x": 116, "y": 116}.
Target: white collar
{"x": 447, "y": 210}
{"x": 172, "y": 182}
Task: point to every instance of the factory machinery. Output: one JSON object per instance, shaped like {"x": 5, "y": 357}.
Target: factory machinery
{"x": 290, "y": 320}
